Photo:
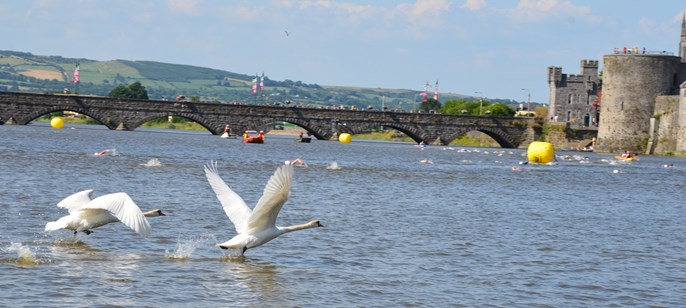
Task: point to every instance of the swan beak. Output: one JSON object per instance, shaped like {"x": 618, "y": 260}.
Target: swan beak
{"x": 319, "y": 224}
{"x": 160, "y": 213}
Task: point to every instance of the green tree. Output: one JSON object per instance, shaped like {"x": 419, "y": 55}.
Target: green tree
{"x": 430, "y": 104}
{"x": 138, "y": 90}
{"x": 464, "y": 107}
{"x": 475, "y": 107}
{"x": 500, "y": 110}
{"x": 134, "y": 91}
{"x": 119, "y": 91}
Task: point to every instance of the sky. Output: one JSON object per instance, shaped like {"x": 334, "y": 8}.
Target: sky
{"x": 485, "y": 48}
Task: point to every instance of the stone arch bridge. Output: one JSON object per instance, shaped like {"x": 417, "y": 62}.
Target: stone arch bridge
{"x": 124, "y": 114}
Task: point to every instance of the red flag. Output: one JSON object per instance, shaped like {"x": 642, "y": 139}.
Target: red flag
{"x": 262, "y": 83}
{"x": 254, "y": 85}
{"x": 76, "y": 75}
{"x": 425, "y": 93}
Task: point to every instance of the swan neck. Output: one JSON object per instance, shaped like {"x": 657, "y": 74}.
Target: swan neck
{"x": 298, "y": 227}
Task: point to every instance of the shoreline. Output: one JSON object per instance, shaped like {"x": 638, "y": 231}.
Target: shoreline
{"x": 288, "y": 131}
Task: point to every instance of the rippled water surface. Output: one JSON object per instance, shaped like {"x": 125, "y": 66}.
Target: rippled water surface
{"x": 466, "y": 230}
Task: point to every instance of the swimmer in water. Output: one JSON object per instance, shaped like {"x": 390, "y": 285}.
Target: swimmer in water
{"x": 297, "y": 162}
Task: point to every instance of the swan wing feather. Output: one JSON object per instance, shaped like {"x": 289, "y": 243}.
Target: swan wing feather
{"x": 76, "y": 201}
{"x": 234, "y": 206}
{"x": 275, "y": 195}
{"x": 122, "y": 207}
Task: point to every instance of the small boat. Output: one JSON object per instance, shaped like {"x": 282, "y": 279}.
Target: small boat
{"x": 627, "y": 156}
{"x": 303, "y": 139}
{"x": 251, "y": 136}
{"x": 228, "y": 136}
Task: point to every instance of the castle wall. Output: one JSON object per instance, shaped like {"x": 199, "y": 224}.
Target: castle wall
{"x": 666, "y": 117}
{"x": 680, "y": 147}
{"x": 630, "y": 85}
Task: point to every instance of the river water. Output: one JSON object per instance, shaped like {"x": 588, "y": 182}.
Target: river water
{"x": 465, "y": 230}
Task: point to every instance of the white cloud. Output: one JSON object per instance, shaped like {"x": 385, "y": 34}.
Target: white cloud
{"x": 184, "y": 6}
{"x": 422, "y": 14}
{"x": 536, "y": 10}
{"x": 241, "y": 13}
{"x": 474, "y": 5}
{"x": 424, "y": 9}
{"x": 347, "y": 10}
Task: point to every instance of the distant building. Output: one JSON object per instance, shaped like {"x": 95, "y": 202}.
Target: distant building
{"x": 574, "y": 98}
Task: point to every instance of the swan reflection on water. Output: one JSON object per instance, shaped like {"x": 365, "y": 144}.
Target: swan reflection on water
{"x": 249, "y": 274}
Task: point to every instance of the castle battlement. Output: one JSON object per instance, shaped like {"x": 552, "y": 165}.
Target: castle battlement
{"x": 589, "y": 63}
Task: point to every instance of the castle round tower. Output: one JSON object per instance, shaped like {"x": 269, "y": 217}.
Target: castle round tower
{"x": 630, "y": 84}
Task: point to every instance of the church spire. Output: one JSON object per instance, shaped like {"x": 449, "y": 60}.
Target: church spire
{"x": 682, "y": 43}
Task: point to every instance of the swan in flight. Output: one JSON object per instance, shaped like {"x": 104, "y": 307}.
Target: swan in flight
{"x": 86, "y": 213}
{"x": 258, "y": 226}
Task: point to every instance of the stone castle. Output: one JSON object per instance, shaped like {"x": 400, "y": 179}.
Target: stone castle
{"x": 642, "y": 106}
{"x": 574, "y": 98}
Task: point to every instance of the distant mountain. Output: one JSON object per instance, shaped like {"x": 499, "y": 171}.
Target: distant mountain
{"x": 25, "y": 72}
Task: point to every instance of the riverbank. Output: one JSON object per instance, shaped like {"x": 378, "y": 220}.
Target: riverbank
{"x": 470, "y": 139}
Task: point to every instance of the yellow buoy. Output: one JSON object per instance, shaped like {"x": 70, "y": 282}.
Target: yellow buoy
{"x": 345, "y": 138}
{"x": 57, "y": 123}
{"x": 540, "y": 152}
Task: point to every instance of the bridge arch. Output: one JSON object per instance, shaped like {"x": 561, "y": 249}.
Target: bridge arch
{"x": 410, "y": 131}
{"x": 101, "y": 118}
{"x": 496, "y": 134}
{"x": 317, "y": 131}
{"x": 132, "y": 125}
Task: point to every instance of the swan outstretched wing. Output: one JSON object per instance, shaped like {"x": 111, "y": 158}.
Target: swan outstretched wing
{"x": 121, "y": 206}
{"x": 275, "y": 195}
{"x": 76, "y": 201}
{"x": 233, "y": 204}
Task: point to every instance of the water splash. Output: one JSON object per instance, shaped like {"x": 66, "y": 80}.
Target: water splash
{"x": 334, "y": 166}
{"x": 186, "y": 246}
{"x": 154, "y": 162}
{"x": 24, "y": 254}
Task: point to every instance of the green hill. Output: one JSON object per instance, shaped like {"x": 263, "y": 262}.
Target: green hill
{"x": 25, "y": 72}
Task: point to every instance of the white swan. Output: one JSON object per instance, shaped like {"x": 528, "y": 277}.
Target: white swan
{"x": 258, "y": 226}
{"x": 86, "y": 213}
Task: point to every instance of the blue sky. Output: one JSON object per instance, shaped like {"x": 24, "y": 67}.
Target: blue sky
{"x": 496, "y": 48}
